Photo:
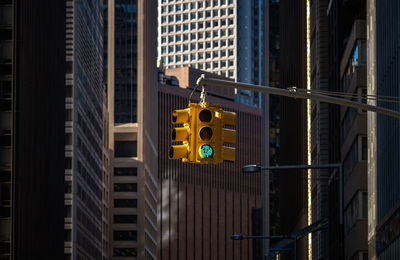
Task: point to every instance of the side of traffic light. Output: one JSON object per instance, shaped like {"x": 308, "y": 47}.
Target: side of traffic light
{"x": 228, "y": 153}
{"x": 183, "y": 134}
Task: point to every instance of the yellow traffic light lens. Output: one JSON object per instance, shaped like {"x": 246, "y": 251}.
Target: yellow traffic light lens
{"x": 205, "y": 116}
{"x": 206, "y": 133}
{"x": 207, "y": 151}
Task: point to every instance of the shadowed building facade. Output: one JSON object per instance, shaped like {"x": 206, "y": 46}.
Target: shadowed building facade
{"x": 32, "y": 90}
{"x": 201, "y": 206}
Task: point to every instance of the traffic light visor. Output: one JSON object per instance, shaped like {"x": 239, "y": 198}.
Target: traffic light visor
{"x": 178, "y": 151}
{"x": 180, "y": 116}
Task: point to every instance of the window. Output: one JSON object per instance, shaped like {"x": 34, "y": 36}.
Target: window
{"x": 163, "y": 39}
{"x": 200, "y": 4}
{"x": 185, "y": 47}
{"x": 68, "y": 187}
{"x": 193, "y": 5}
{"x": 178, "y": 28}
{"x": 208, "y": 45}
{"x": 125, "y": 187}
{"x": 68, "y": 211}
{"x": 193, "y": 36}
{"x": 223, "y": 22}
{"x": 192, "y": 26}
{"x": 171, "y": 8}
{"x": 186, "y": 6}
{"x": 177, "y": 58}
{"x": 170, "y": 18}
{"x": 185, "y": 37}
{"x": 163, "y": 50}
{"x": 185, "y": 57}
{"x": 178, "y": 7}
{"x": 178, "y": 17}
{"x": 200, "y": 15}
{"x": 68, "y": 163}
{"x": 185, "y": 17}
{"x": 125, "y": 219}
{"x": 171, "y": 28}
{"x": 126, "y": 235}
{"x": 215, "y": 54}
{"x": 125, "y": 171}
{"x": 163, "y": 29}
{"x": 67, "y": 235}
{"x": 193, "y": 16}
{"x": 125, "y": 148}
{"x": 208, "y": 34}
{"x": 68, "y": 139}
{"x": 125, "y": 203}
{"x": 178, "y": 37}
{"x": 200, "y": 25}
{"x": 124, "y": 252}
{"x": 170, "y": 39}
{"x": 68, "y": 115}
{"x": 185, "y": 27}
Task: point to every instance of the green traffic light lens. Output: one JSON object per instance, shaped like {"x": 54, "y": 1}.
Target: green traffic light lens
{"x": 207, "y": 151}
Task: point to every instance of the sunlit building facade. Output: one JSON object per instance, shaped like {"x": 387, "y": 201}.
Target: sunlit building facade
{"x": 225, "y": 37}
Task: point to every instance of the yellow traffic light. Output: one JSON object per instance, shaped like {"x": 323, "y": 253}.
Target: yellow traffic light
{"x": 203, "y": 134}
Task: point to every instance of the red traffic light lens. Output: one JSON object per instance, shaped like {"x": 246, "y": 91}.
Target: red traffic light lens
{"x": 205, "y": 115}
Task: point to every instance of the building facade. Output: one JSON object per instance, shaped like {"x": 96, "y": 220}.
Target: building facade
{"x": 225, "y": 37}
{"x": 201, "y": 206}
{"x": 132, "y": 135}
{"x": 32, "y": 87}
{"x": 84, "y": 130}
{"x": 383, "y": 65}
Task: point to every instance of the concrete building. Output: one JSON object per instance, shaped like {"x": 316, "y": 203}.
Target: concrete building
{"x": 225, "y": 37}
{"x": 83, "y": 130}
{"x": 348, "y": 140}
{"x": 132, "y": 135}
{"x": 32, "y": 87}
{"x": 201, "y": 206}
{"x": 383, "y": 63}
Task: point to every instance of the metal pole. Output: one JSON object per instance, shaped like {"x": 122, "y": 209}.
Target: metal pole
{"x": 295, "y": 94}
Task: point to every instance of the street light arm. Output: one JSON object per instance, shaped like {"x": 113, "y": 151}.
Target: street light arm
{"x": 202, "y": 81}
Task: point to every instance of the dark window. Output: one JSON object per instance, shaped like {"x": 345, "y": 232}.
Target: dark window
{"x": 67, "y": 187}
{"x": 125, "y": 252}
{"x": 68, "y": 139}
{"x": 69, "y": 67}
{"x": 68, "y": 211}
{"x": 125, "y": 203}
{"x": 68, "y": 91}
{"x": 125, "y": 148}
{"x": 67, "y": 235}
{"x": 68, "y": 115}
{"x": 125, "y": 171}
{"x": 128, "y": 235}
{"x": 125, "y": 187}
{"x": 68, "y": 163}
{"x": 125, "y": 219}
{"x": 5, "y": 140}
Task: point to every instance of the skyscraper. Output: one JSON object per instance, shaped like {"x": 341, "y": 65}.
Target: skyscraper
{"x": 84, "y": 130}
{"x": 132, "y": 110}
{"x": 225, "y": 37}
{"x": 32, "y": 80}
{"x": 383, "y": 63}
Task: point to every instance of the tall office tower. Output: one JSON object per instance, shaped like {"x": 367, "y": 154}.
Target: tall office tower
{"x": 319, "y": 116}
{"x": 201, "y": 206}
{"x": 132, "y": 107}
{"x": 274, "y": 123}
{"x": 383, "y": 63}
{"x": 84, "y": 130}
{"x": 225, "y": 37}
{"x": 348, "y": 129}
{"x": 106, "y": 180}
{"x": 293, "y": 208}
{"x": 32, "y": 79}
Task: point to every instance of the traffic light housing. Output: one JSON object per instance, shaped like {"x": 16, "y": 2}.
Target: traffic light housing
{"x": 203, "y": 134}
